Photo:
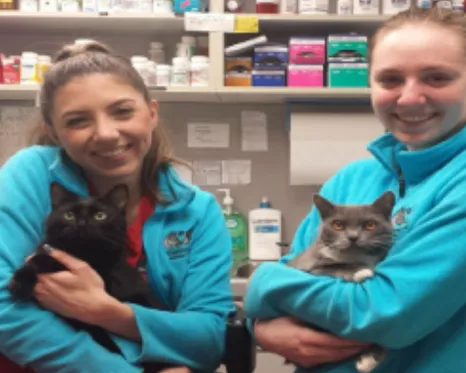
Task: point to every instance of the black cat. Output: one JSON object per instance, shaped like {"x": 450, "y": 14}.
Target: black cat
{"x": 93, "y": 230}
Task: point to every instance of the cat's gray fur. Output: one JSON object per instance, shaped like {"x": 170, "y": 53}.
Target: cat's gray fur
{"x": 352, "y": 251}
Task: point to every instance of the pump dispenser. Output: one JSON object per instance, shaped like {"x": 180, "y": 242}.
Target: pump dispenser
{"x": 237, "y": 227}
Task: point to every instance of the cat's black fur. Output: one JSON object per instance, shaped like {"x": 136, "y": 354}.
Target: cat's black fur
{"x": 93, "y": 230}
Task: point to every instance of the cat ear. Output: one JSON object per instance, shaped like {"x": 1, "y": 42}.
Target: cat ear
{"x": 325, "y": 207}
{"x": 59, "y": 195}
{"x": 384, "y": 204}
{"x": 117, "y": 196}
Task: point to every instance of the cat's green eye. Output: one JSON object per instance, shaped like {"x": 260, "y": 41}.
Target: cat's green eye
{"x": 338, "y": 225}
{"x": 68, "y": 215}
{"x": 370, "y": 225}
{"x": 100, "y": 216}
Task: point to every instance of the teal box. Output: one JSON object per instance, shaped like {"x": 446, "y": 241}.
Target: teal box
{"x": 347, "y": 48}
{"x": 348, "y": 75}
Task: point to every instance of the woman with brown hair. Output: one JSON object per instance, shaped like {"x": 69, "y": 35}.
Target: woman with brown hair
{"x": 101, "y": 129}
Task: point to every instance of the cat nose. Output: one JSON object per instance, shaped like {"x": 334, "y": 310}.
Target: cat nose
{"x": 81, "y": 222}
{"x": 353, "y": 237}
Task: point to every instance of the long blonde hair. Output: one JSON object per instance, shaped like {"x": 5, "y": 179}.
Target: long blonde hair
{"x": 91, "y": 58}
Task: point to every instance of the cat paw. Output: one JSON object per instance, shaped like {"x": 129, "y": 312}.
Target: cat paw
{"x": 366, "y": 364}
{"x": 362, "y": 275}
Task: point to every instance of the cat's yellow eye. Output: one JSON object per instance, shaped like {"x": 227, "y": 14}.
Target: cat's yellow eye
{"x": 338, "y": 225}
{"x": 100, "y": 216}
{"x": 370, "y": 225}
{"x": 68, "y": 215}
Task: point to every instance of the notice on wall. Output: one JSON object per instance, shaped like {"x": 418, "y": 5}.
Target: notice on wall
{"x": 236, "y": 172}
{"x": 208, "y": 135}
{"x": 197, "y": 21}
{"x": 207, "y": 172}
{"x": 254, "y": 131}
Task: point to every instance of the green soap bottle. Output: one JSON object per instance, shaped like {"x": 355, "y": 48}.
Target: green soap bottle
{"x": 237, "y": 226}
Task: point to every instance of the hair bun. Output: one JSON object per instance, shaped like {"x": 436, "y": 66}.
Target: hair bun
{"x": 73, "y": 50}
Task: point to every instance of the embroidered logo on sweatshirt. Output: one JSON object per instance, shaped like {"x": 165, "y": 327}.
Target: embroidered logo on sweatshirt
{"x": 177, "y": 243}
{"x": 400, "y": 219}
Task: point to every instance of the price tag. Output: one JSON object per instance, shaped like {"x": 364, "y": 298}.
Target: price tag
{"x": 246, "y": 24}
{"x": 208, "y": 22}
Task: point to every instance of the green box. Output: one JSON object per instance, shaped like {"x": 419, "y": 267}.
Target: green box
{"x": 347, "y": 48}
{"x": 348, "y": 75}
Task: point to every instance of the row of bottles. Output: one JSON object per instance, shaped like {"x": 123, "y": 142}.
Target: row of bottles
{"x": 256, "y": 238}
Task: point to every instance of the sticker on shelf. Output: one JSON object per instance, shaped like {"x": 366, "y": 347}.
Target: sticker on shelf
{"x": 246, "y": 24}
{"x": 207, "y": 22}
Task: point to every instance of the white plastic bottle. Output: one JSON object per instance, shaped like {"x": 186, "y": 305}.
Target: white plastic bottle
{"x": 140, "y": 63}
{"x": 265, "y": 232}
{"x": 29, "y": 68}
{"x": 180, "y": 72}
{"x": 199, "y": 71}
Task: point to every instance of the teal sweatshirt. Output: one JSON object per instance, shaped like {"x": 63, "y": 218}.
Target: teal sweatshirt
{"x": 415, "y": 305}
{"x": 191, "y": 276}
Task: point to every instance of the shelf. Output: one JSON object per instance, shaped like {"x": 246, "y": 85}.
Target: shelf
{"x": 307, "y": 23}
{"x": 185, "y": 94}
{"x": 89, "y": 22}
{"x": 266, "y": 95}
{"x": 10, "y": 92}
{"x": 323, "y": 19}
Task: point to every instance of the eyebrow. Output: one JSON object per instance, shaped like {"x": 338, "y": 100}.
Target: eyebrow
{"x": 423, "y": 70}
{"x": 111, "y": 106}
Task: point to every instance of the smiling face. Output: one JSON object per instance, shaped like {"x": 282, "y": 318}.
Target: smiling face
{"x": 105, "y": 125}
{"x": 418, "y": 83}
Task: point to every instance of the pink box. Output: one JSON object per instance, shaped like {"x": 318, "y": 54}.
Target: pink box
{"x": 305, "y": 76}
{"x": 306, "y": 51}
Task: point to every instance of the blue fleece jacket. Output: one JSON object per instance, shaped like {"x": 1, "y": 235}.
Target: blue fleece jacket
{"x": 415, "y": 305}
{"x": 190, "y": 274}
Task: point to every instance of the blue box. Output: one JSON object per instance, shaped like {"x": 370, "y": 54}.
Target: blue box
{"x": 271, "y": 55}
{"x": 269, "y": 78}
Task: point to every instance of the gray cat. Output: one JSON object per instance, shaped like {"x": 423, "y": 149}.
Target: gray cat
{"x": 352, "y": 240}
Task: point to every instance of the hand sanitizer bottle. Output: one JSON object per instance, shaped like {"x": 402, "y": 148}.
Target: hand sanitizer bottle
{"x": 237, "y": 226}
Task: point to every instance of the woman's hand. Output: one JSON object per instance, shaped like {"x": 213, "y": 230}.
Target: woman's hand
{"x": 78, "y": 293}
{"x": 303, "y": 346}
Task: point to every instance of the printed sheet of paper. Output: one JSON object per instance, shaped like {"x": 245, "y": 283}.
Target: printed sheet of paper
{"x": 184, "y": 172}
{"x": 254, "y": 131}
{"x": 16, "y": 124}
{"x": 237, "y": 172}
{"x": 208, "y": 135}
{"x": 207, "y": 172}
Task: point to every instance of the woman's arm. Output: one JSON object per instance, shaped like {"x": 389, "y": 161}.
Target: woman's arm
{"x": 423, "y": 271}
{"x": 30, "y": 335}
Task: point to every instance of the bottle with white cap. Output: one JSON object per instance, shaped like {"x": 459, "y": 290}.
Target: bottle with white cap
{"x": 265, "y": 232}
{"x": 180, "y": 72}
